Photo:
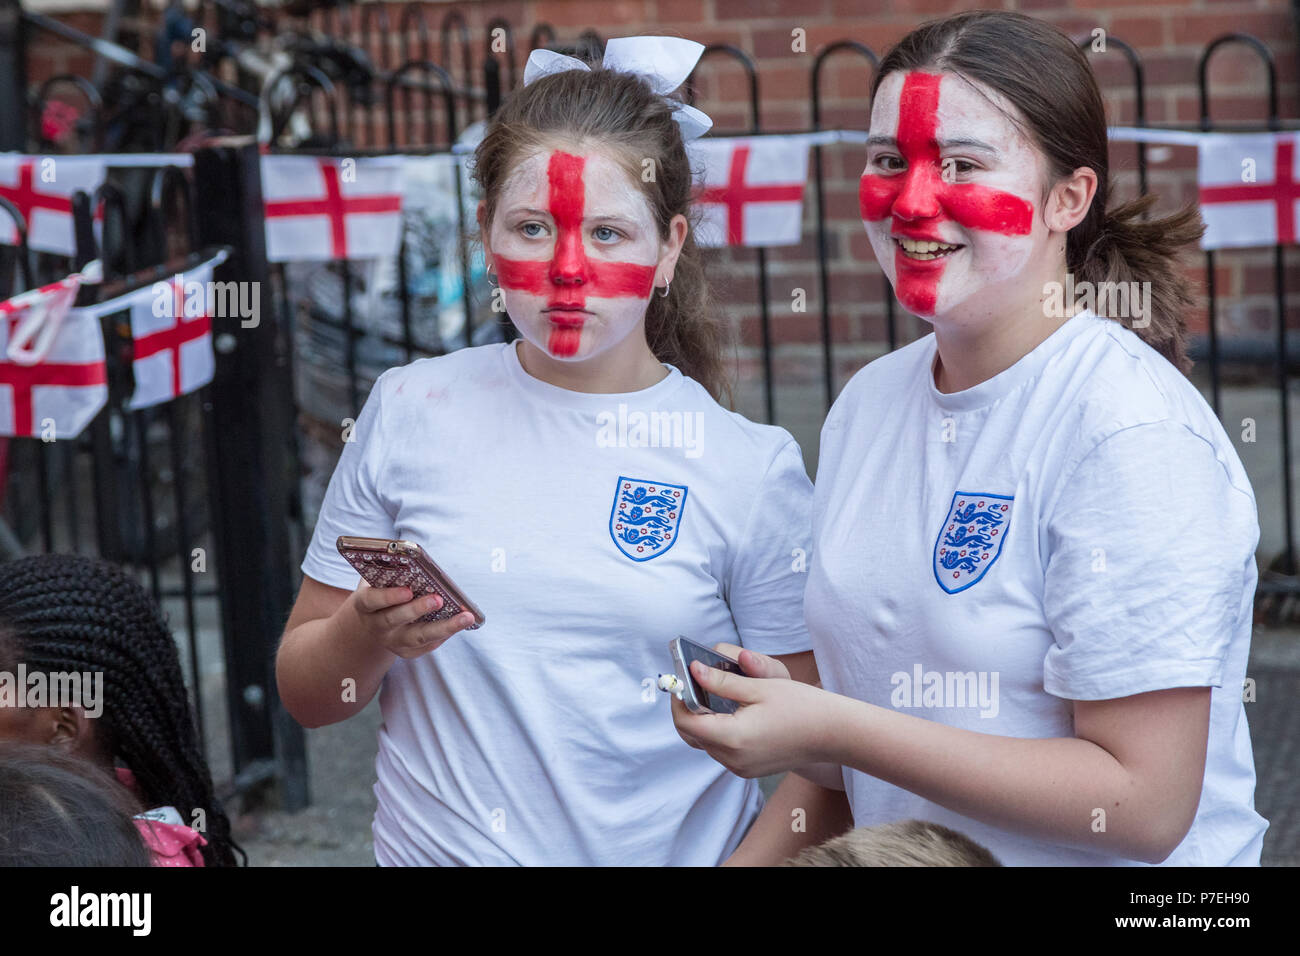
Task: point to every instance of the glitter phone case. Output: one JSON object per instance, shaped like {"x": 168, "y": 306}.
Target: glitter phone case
{"x": 393, "y": 564}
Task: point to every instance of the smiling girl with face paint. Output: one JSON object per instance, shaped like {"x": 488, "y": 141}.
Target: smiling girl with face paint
{"x": 585, "y": 488}
{"x": 1034, "y": 545}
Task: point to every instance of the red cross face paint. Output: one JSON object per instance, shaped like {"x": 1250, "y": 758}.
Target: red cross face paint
{"x": 947, "y": 196}
{"x": 575, "y": 246}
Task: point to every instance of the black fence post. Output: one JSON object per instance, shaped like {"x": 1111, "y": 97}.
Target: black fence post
{"x": 253, "y": 477}
{"x": 13, "y": 77}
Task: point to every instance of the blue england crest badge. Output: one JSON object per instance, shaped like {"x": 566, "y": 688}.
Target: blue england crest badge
{"x": 645, "y": 517}
{"x": 971, "y": 539}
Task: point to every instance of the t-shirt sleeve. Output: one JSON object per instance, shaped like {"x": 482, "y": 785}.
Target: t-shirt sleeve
{"x": 766, "y": 582}
{"x": 352, "y": 504}
{"x": 1148, "y": 551}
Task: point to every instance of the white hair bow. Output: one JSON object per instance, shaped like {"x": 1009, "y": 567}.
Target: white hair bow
{"x": 663, "y": 62}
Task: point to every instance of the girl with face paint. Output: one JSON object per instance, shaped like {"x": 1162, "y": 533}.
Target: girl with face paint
{"x": 1034, "y": 545}
{"x": 586, "y": 490}
{"x": 578, "y": 253}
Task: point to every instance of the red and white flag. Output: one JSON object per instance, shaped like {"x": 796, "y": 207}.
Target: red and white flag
{"x": 320, "y": 208}
{"x": 42, "y": 187}
{"x": 52, "y": 375}
{"x": 1249, "y": 189}
{"x": 172, "y": 329}
{"x": 751, "y": 191}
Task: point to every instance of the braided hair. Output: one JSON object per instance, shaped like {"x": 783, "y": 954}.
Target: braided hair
{"x": 72, "y": 613}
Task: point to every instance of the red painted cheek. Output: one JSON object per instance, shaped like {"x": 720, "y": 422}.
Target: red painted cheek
{"x": 524, "y": 275}
{"x": 876, "y": 195}
{"x": 618, "y": 280}
{"x": 978, "y": 207}
{"x": 612, "y": 280}
{"x": 970, "y": 205}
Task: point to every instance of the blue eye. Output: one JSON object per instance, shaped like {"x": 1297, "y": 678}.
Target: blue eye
{"x": 612, "y": 233}
{"x": 531, "y": 235}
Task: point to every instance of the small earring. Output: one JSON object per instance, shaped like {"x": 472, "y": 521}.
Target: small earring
{"x": 667, "y": 286}
{"x": 489, "y": 278}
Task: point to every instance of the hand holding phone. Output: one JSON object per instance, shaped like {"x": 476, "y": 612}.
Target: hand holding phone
{"x": 386, "y": 563}
{"x": 405, "y": 603}
{"x": 695, "y": 697}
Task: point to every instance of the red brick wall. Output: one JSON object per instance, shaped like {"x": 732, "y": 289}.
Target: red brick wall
{"x": 1168, "y": 34}
{"x": 48, "y": 55}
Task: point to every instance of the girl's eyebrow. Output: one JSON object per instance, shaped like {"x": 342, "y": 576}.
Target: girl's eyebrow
{"x": 968, "y": 144}
{"x": 942, "y": 144}
{"x": 533, "y": 211}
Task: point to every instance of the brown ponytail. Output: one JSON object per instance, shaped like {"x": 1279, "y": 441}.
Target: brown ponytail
{"x": 1047, "y": 78}
{"x": 1126, "y": 249}
{"x": 619, "y": 111}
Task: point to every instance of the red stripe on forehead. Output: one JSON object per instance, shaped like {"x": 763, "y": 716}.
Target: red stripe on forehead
{"x": 570, "y": 271}
{"x": 568, "y": 193}
{"x": 918, "y": 115}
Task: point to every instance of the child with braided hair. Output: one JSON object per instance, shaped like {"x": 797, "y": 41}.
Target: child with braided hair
{"x": 70, "y": 614}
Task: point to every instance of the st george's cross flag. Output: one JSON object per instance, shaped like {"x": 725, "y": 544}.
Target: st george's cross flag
{"x": 750, "y": 192}
{"x": 41, "y": 188}
{"x": 172, "y": 333}
{"x": 324, "y": 208}
{"x": 53, "y": 379}
{"x": 1249, "y": 189}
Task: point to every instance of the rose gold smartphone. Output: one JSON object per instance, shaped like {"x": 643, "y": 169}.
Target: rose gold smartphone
{"x": 385, "y": 563}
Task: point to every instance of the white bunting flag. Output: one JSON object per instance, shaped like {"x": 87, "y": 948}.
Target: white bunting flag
{"x": 322, "y": 208}
{"x": 172, "y": 330}
{"x": 53, "y": 379}
{"x": 751, "y": 190}
{"x": 1249, "y": 189}
{"x": 41, "y": 187}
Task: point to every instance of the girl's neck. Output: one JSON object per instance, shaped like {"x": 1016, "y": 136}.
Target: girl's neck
{"x": 972, "y": 348}
{"x": 629, "y": 367}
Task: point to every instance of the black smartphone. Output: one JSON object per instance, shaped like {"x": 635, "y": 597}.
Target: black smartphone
{"x": 695, "y": 697}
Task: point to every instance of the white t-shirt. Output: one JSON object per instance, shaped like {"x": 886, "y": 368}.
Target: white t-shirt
{"x": 1077, "y": 527}
{"x": 591, "y": 529}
